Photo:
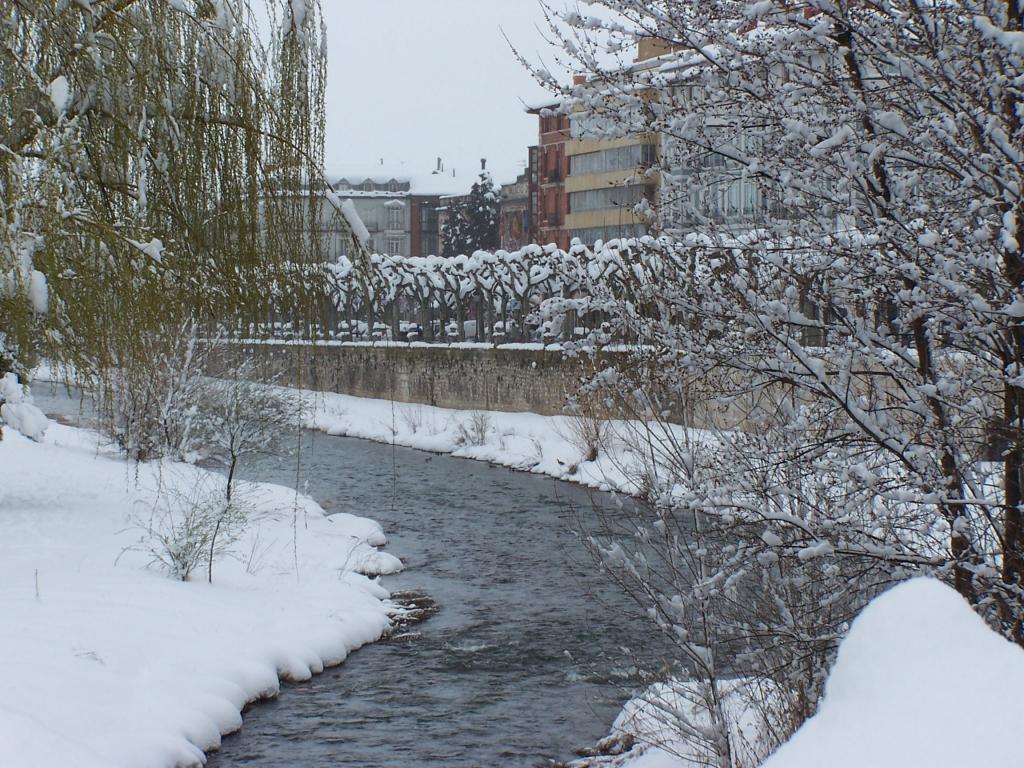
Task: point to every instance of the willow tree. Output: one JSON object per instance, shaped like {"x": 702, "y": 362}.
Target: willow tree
{"x": 159, "y": 161}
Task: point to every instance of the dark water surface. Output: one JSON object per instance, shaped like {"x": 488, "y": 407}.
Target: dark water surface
{"x": 521, "y": 664}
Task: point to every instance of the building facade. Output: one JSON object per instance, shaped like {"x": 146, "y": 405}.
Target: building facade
{"x": 548, "y": 171}
{"x": 400, "y": 208}
{"x": 609, "y": 182}
{"x": 514, "y": 226}
{"x": 385, "y": 207}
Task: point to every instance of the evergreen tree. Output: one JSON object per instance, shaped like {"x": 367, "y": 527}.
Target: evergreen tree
{"x": 473, "y": 222}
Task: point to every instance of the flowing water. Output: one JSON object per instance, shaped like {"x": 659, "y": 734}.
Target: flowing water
{"x": 521, "y": 665}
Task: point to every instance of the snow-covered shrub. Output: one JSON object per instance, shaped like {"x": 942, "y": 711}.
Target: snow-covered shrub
{"x": 239, "y": 417}
{"x": 475, "y": 430}
{"x": 151, "y": 412}
{"x": 588, "y": 425}
{"x": 16, "y": 409}
{"x": 190, "y": 525}
{"x": 413, "y": 418}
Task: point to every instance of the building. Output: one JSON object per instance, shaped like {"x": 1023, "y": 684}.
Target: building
{"x": 383, "y": 205}
{"x": 608, "y": 178}
{"x": 425, "y": 232}
{"x": 549, "y": 166}
{"x": 699, "y": 183}
{"x": 398, "y": 205}
{"x": 514, "y": 227}
{"x": 619, "y": 185}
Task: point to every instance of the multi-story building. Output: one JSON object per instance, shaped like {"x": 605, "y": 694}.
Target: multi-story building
{"x": 425, "y": 233}
{"x": 630, "y": 185}
{"x": 608, "y": 179}
{"x": 514, "y": 214}
{"x": 398, "y": 207}
{"x": 698, "y": 182}
{"x": 548, "y": 170}
{"x": 382, "y": 203}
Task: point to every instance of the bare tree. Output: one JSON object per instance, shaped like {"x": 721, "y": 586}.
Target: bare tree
{"x": 840, "y": 312}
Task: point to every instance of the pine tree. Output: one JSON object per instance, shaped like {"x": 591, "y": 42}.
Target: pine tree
{"x": 481, "y": 211}
{"x": 473, "y": 222}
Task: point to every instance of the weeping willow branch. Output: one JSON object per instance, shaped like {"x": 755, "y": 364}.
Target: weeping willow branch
{"x": 158, "y": 164}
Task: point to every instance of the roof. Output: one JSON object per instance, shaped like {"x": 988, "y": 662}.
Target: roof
{"x": 453, "y": 180}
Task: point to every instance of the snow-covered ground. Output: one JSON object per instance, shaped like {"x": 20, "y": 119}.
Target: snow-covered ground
{"x": 919, "y": 680}
{"x": 107, "y": 662}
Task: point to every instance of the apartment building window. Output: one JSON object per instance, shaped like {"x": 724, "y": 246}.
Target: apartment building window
{"x": 617, "y": 159}
{"x": 609, "y": 197}
{"x": 591, "y": 235}
{"x": 396, "y": 246}
{"x": 395, "y": 218}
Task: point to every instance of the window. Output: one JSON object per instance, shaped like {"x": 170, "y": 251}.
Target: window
{"x": 609, "y": 197}
{"x": 368, "y": 186}
{"x": 608, "y": 160}
{"x": 396, "y": 246}
{"x": 395, "y": 218}
{"x": 591, "y": 235}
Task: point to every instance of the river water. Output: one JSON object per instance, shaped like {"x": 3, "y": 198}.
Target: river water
{"x": 522, "y": 664}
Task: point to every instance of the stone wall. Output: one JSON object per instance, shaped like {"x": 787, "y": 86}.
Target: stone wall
{"x": 487, "y": 378}
{"x": 499, "y": 379}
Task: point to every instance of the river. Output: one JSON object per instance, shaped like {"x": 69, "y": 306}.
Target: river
{"x": 522, "y": 664}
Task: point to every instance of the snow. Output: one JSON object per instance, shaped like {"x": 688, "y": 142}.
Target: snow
{"x": 348, "y": 210}
{"x": 153, "y": 249}
{"x": 18, "y": 412}
{"x": 546, "y": 445}
{"x": 920, "y": 680}
{"x": 423, "y": 178}
{"x": 109, "y": 663}
{"x": 59, "y": 92}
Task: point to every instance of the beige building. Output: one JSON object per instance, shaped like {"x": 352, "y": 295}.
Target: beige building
{"x": 610, "y": 175}
{"x": 607, "y": 179}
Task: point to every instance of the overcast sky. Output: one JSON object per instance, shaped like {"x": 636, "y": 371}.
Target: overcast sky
{"x": 412, "y": 80}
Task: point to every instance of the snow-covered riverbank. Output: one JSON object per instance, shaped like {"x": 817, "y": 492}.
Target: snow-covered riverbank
{"x": 549, "y": 445}
{"x": 107, "y": 662}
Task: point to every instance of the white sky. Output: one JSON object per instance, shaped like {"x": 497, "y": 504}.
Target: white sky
{"x": 412, "y": 80}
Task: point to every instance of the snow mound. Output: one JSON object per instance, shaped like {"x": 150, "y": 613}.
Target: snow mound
{"x": 18, "y": 411}
{"x": 920, "y": 680}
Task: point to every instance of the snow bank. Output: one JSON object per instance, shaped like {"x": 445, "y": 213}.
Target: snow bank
{"x": 18, "y": 411}
{"x": 547, "y": 445}
{"x": 920, "y": 680}
{"x": 107, "y": 663}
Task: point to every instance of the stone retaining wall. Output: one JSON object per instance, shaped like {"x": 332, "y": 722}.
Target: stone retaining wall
{"x": 481, "y": 377}
{"x": 499, "y": 379}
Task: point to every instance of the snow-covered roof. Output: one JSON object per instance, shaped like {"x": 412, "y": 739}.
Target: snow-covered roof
{"x": 452, "y": 180}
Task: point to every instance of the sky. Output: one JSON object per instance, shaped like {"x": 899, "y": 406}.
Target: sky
{"x": 413, "y": 80}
